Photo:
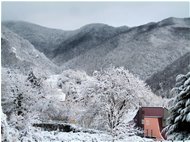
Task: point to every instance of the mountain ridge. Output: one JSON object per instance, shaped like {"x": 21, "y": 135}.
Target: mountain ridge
{"x": 156, "y": 37}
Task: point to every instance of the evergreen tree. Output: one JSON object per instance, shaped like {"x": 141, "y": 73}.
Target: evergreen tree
{"x": 179, "y": 120}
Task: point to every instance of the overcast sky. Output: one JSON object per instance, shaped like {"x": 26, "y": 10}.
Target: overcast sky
{"x": 72, "y": 15}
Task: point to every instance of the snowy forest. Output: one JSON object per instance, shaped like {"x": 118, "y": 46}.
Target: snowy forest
{"x": 88, "y": 84}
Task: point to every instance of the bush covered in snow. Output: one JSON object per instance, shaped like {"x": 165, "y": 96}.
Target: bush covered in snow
{"x": 179, "y": 120}
{"x": 29, "y": 96}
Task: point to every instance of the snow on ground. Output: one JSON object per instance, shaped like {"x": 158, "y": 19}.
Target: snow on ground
{"x": 130, "y": 115}
{"x": 37, "y": 135}
{"x": 78, "y": 137}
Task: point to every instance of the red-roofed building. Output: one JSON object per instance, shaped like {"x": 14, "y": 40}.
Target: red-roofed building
{"x": 152, "y": 120}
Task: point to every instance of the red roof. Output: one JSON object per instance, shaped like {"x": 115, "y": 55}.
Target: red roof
{"x": 153, "y": 111}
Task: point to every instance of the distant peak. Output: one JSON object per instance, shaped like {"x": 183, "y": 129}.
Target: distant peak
{"x": 126, "y": 27}
{"x": 96, "y": 25}
{"x": 171, "y": 19}
{"x": 174, "y": 21}
{"x": 18, "y": 22}
{"x": 22, "y": 24}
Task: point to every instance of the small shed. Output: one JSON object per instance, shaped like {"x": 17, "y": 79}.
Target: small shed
{"x": 152, "y": 120}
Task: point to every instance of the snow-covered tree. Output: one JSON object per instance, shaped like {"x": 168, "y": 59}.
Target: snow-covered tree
{"x": 22, "y": 96}
{"x": 179, "y": 120}
{"x": 119, "y": 91}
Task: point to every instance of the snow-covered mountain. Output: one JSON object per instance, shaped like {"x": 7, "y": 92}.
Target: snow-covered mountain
{"x": 44, "y": 39}
{"x": 144, "y": 50}
{"x": 64, "y": 45}
{"x": 18, "y": 53}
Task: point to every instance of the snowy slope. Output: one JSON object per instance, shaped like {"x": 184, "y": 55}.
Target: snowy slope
{"x": 19, "y": 54}
{"x": 163, "y": 81}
